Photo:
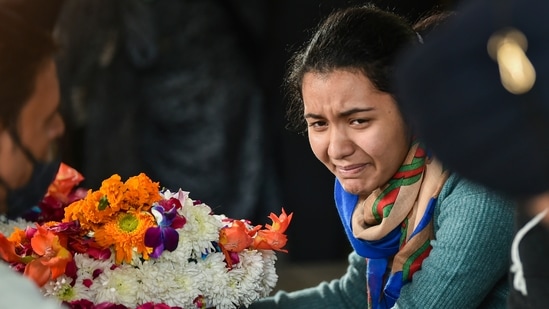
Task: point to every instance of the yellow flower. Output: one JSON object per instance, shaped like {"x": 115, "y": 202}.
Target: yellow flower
{"x": 126, "y": 233}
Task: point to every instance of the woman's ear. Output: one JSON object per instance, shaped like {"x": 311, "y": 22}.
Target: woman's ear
{"x": 411, "y": 131}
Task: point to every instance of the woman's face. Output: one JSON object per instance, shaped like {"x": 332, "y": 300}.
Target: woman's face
{"x": 354, "y": 129}
{"x": 39, "y": 125}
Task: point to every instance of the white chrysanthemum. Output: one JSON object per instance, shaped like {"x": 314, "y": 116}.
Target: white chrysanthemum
{"x": 7, "y": 226}
{"x": 85, "y": 288}
{"x": 183, "y": 252}
{"x": 119, "y": 286}
{"x": 251, "y": 288}
{"x": 231, "y": 293}
{"x": 225, "y": 221}
{"x": 61, "y": 289}
{"x": 86, "y": 265}
{"x": 269, "y": 272}
{"x": 217, "y": 285}
{"x": 175, "y": 284}
{"x": 252, "y": 262}
{"x": 88, "y": 268}
{"x": 200, "y": 229}
{"x": 152, "y": 286}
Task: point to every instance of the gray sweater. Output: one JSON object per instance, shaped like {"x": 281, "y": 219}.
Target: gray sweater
{"x": 467, "y": 267}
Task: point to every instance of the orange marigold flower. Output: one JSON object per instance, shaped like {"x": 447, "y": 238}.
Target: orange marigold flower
{"x": 126, "y": 233}
{"x": 73, "y": 211}
{"x": 91, "y": 211}
{"x": 113, "y": 189}
{"x": 142, "y": 192}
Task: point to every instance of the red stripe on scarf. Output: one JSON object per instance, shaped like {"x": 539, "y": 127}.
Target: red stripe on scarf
{"x": 388, "y": 199}
{"x": 410, "y": 173}
{"x": 416, "y": 265}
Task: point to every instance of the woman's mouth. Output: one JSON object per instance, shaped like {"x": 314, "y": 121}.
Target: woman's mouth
{"x": 350, "y": 170}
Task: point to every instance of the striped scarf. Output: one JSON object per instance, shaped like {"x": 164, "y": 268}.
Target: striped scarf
{"x": 393, "y": 227}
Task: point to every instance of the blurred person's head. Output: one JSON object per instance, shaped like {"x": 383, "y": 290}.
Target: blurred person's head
{"x": 453, "y": 90}
{"x": 29, "y": 100}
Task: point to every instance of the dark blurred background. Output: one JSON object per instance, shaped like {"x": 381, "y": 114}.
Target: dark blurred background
{"x": 189, "y": 92}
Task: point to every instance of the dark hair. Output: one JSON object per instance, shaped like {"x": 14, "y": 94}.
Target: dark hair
{"x": 363, "y": 38}
{"x": 24, "y": 50}
{"x": 431, "y": 21}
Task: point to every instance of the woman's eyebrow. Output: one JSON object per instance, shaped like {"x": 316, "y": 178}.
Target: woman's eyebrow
{"x": 342, "y": 114}
{"x": 354, "y": 111}
{"x": 311, "y": 115}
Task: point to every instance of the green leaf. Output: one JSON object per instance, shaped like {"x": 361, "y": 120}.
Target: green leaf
{"x": 103, "y": 203}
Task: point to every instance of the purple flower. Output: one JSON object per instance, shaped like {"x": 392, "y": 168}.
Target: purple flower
{"x": 164, "y": 236}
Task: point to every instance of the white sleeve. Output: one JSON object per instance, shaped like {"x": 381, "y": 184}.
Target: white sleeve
{"x": 16, "y": 291}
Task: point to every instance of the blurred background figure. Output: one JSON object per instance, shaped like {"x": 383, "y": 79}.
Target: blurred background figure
{"x": 477, "y": 91}
{"x": 30, "y": 123}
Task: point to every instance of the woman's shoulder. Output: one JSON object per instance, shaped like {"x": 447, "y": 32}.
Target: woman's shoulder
{"x": 457, "y": 185}
{"x": 470, "y": 211}
{"x": 460, "y": 194}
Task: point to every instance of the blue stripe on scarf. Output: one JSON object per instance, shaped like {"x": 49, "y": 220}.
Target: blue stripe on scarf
{"x": 377, "y": 252}
{"x": 383, "y": 248}
{"x": 375, "y": 272}
{"x": 392, "y": 289}
{"x": 426, "y": 219}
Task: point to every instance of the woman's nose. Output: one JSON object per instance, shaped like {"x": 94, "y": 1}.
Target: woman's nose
{"x": 340, "y": 144}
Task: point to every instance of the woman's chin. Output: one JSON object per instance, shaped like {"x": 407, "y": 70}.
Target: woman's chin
{"x": 355, "y": 186}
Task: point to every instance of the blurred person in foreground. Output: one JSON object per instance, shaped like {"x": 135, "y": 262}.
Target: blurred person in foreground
{"x": 478, "y": 92}
{"x": 29, "y": 124}
{"x": 423, "y": 237}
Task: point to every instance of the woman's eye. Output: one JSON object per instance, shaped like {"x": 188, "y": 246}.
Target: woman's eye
{"x": 359, "y": 121}
{"x": 317, "y": 124}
